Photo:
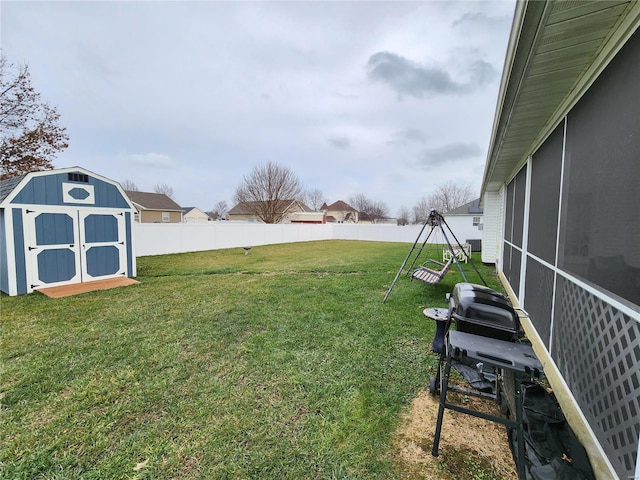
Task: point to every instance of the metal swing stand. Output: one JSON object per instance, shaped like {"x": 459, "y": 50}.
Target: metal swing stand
{"x": 437, "y": 223}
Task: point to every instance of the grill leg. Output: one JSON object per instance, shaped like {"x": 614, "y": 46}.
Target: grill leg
{"x": 443, "y": 400}
{"x": 519, "y": 419}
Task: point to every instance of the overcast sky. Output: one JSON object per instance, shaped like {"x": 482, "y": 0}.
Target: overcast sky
{"x": 388, "y": 99}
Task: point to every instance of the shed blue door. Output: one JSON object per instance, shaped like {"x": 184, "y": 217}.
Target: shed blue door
{"x": 103, "y": 248}
{"x": 54, "y": 248}
{"x": 74, "y": 246}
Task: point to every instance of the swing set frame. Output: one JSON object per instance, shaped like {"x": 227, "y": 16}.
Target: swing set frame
{"x": 432, "y": 276}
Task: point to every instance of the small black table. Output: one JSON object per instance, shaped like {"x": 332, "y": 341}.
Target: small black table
{"x": 508, "y": 356}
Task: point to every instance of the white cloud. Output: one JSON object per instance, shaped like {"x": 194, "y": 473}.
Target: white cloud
{"x": 151, "y": 160}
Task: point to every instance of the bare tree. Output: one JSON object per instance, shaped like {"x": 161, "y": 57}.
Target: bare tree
{"x": 403, "y": 215}
{"x": 374, "y": 209}
{"x": 315, "y": 199}
{"x": 267, "y": 190}
{"x": 30, "y": 136}
{"x": 219, "y": 210}
{"x": 360, "y": 202}
{"x": 421, "y": 211}
{"x": 450, "y": 195}
{"x": 378, "y": 210}
{"x": 164, "y": 188}
{"x": 129, "y": 185}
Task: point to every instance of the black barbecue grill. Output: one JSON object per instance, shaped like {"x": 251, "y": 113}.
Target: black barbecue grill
{"x": 482, "y": 311}
{"x": 486, "y": 349}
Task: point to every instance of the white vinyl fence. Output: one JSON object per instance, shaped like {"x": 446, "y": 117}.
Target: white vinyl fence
{"x": 164, "y": 238}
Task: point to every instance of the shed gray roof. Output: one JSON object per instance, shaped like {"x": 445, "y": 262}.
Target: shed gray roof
{"x": 8, "y": 185}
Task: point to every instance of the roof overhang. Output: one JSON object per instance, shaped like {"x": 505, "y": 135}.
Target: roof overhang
{"x": 556, "y": 51}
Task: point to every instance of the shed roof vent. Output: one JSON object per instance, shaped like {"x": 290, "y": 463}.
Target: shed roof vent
{"x": 78, "y": 177}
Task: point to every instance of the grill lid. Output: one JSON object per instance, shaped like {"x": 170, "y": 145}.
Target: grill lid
{"x": 483, "y": 306}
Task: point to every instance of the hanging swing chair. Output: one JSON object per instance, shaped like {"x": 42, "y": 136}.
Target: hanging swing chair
{"x": 429, "y": 275}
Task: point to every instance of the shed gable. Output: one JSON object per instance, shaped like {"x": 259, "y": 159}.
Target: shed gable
{"x": 68, "y": 188}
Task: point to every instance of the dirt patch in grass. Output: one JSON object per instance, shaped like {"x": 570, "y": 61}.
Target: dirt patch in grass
{"x": 470, "y": 447}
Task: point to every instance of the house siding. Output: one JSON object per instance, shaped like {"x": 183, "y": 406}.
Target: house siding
{"x": 492, "y": 218}
{"x": 195, "y": 216}
{"x": 462, "y": 227}
{"x": 343, "y": 216}
{"x": 154, "y": 216}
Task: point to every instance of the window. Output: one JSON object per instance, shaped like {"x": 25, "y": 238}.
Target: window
{"x": 476, "y": 221}
{"x": 165, "y": 217}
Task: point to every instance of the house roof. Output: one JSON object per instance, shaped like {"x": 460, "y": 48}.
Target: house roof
{"x": 556, "y": 51}
{"x": 338, "y": 206}
{"x": 364, "y": 217}
{"x": 194, "y": 210}
{"x": 152, "y": 201}
{"x": 247, "y": 208}
{"x": 471, "y": 208}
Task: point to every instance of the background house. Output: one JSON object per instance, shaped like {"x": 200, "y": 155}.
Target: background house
{"x": 308, "y": 217}
{"x": 155, "y": 207}
{"x": 466, "y": 223}
{"x": 561, "y": 203}
{"x": 245, "y": 211}
{"x": 62, "y": 227}
{"x": 340, "y": 212}
{"x": 194, "y": 215}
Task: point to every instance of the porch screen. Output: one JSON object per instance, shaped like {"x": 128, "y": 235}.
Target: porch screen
{"x": 518, "y": 206}
{"x": 508, "y": 218}
{"x": 514, "y": 223}
{"x": 601, "y": 194}
{"x": 546, "y": 167}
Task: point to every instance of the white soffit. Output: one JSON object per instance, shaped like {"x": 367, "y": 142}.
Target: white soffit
{"x": 557, "y": 46}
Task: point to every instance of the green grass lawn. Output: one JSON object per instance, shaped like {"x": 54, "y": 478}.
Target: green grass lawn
{"x": 283, "y": 363}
